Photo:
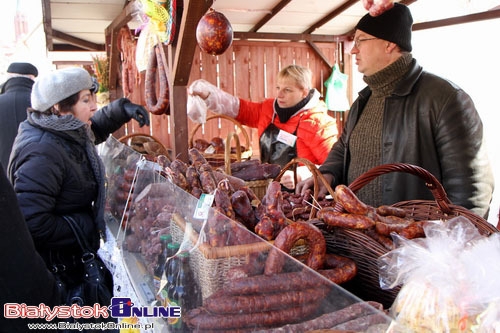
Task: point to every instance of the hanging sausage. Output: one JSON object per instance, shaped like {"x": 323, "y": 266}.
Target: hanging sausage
{"x": 157, "y": 69}
{"x": 214, "y": 33}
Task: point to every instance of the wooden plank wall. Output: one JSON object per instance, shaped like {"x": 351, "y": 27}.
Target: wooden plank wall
{"x": 248, "y": 69}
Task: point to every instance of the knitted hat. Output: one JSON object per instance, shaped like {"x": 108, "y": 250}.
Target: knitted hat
{"x": 393, "y": 25}
{"x": 55, "y": 86}
{"x": 24, "y": 68}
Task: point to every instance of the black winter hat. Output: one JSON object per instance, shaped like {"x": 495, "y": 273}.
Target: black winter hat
{"x": 393, "y": 25}
{"x": 24, "y": 68}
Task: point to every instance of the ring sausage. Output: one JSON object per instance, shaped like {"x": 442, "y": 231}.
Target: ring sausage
{"x": 286, "y": 240}
{"x": 160, "y": 105}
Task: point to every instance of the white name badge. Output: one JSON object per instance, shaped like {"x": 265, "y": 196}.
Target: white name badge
{"x": 286, "y": 138}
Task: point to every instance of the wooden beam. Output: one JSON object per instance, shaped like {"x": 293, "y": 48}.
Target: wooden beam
{"x": 289, "y": 36}
{"x": 84, "y": 44}
{"x": 282, "y": 4}
{"x": 123, "y": 18}
{"x": 112, "y": 51}
{"x": 47, "y": 24}
{"x": 483, "y": 16}
{"x": 186, "y": 41}
{"x": 328, "y": 17}
{"x": 319, "y": 53}
{"x": 182, "y": 53}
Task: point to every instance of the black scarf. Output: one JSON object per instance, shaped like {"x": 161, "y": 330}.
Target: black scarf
{"x": 286, "y": 113}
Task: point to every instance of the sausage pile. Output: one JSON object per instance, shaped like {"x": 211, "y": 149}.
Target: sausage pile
{"x": 270, "y": 292}
{"x": 378, "y": 223}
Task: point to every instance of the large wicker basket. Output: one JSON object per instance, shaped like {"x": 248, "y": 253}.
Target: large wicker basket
{"x": 211, "y": 264}
{"x": 218, "y": 159}
{"x": 366, "y": 251}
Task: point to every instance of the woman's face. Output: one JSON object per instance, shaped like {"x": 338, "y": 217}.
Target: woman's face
{"x": 289, "y": 93}
{"x": 85, "y": 107}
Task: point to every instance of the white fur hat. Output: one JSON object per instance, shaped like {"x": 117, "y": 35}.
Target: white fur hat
{"x": 51, "y": 88}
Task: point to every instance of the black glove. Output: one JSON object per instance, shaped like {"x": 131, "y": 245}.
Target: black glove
{"x": 138, "y": 112}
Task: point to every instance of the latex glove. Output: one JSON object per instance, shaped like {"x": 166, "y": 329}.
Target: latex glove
{"x": 138, "y": 112}
{"x": 217, "y": 101}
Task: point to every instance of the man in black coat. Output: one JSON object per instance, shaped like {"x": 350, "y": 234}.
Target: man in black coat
{"x": 24, "y": 278}
{"x": 15, "y": 98}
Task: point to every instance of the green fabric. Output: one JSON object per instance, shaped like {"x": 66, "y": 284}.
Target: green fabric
{"x": 336, "y": 90}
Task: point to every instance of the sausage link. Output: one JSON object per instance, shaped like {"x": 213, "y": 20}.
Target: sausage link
{"x": 385, "y": 210}
{"x": 286, "y": 240}
{"x": 154, "y": 105}
{"x": 351, "y": 203}
{"x": 345, "y": 220}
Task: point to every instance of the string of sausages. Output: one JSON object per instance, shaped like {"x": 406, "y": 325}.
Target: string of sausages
{"x": 130, "y": 75}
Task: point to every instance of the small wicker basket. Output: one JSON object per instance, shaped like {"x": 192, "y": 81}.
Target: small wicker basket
{"x": 316, "y": 175}
{"x": 365, "y": 251}
{"x": 216, "y": 159}
{"x": 211, "y": 264}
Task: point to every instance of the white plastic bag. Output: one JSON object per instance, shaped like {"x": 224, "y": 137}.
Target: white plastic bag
{"x": 448, "y": 278}
{"x": 196, "y": 109}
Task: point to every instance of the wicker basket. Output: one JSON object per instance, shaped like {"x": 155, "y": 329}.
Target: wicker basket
{"x": 145, "y": 144}
{"x": 218, "y": 160}
{"x": 366, "y": 251}
{"x": 211, "y": 264}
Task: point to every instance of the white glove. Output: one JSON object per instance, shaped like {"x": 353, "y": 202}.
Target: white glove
{"x": 217, "y": 101}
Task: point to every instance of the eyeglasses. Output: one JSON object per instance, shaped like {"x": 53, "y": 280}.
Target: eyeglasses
{"x": 358, "y": 41}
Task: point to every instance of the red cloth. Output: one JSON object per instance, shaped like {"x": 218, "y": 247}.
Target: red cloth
{"x": 316, "y": 133}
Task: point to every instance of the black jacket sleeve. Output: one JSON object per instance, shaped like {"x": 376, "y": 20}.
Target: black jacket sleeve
{"x": 108, "y": 119}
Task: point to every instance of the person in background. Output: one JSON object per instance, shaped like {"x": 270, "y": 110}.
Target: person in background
{"x": 55, "y": 168}
{"x": 407, "y": 115}
{"x": 14, "y": 101}
{"x": 25, "y": 278}
{"x": 294, "y": 124}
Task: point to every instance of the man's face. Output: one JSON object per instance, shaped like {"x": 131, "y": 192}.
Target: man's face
{"x": 371, "y": 53}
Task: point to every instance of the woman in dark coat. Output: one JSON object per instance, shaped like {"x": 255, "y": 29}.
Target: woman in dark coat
{"x": 55, "y": 169}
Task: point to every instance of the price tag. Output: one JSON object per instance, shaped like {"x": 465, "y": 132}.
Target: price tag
{"x": 203, "y": 205}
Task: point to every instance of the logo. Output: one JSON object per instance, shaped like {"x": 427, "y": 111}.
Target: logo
{"x": 122, "y": 307}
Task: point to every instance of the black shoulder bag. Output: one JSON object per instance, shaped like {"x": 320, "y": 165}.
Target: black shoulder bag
{"x": 96, "y": 285}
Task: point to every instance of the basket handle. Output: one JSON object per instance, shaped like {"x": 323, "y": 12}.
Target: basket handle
{"x": 227, "y": 151}
{"x": 221, "y": 116}
{"x": 431, "y": 181}
{"x": 317, "y": 177}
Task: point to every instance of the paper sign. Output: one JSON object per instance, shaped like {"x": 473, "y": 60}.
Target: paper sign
{"x": 286, "y": 138}
{"x": 203, "y": 205}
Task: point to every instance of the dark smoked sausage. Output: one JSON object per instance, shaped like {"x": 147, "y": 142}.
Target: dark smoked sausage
{"x": 202, "y": 320}
{"x": 223, "y": 304}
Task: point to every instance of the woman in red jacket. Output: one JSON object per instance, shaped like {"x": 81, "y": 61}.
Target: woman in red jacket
{"x": 294, "y": 124}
